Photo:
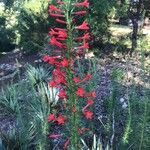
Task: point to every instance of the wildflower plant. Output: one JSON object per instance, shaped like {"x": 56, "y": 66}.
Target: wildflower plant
{"x": 70, "y": 41}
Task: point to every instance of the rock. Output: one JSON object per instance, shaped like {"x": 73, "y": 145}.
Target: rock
{"x": 124, "y": 106}
{"x": 122, "y": 100}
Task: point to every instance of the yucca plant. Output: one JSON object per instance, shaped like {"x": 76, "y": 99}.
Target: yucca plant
{"x": 19, "y": 138}
{"x": 96, "y": 145}
{"x": 9, "y": 98}
{"x": 47, "y": 94}
{"x": 37, "y": 75}
{"x": 30, "y": 107}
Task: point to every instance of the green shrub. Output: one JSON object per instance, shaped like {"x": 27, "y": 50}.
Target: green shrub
{"x": 100, "y": 11}
{"x": 7, "y": 31}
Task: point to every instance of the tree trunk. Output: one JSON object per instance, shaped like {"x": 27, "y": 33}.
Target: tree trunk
{"x": 135, "y": 12}
{"x": 134, "y": 34}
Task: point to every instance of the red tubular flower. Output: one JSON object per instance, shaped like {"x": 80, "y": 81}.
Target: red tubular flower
{"x": 54, "y": 8}
{"x": 61, "y": 79}
{"x": 60, "y": 21}
{"x": 91, "y": 94}
{"x": 60, "y": 119}
{"x": 59, "y": 76}
{"x": 57, "y": 51}
{"x": 54, "y": 136}
{"x": 61, "y": 39}
{"x": 90, "y": 102}
{"x": 51, "y": 117}
{"x": 87, "y": 77}
{"x": 52, "y": 32}
{"x": 83, "y": 26}
{"x": 62, "y": 34}
{"x": 56, "y": 15}
{"x": 53, "y": 60}
{"x": 85, "y": 3}
{"x": 82, "y": 130}
{"x": 84, "y": 46}
{"x": 65, "y": 62}
{"x": 45, "y": 58}
{"x": 80, "y": 12}
{"x": 88, "y": 114}
{"x": 66, "y": 144}
{"x": 76, "y": 79}
{"x": 60, "y": 29}
{"x": 79, "y": 52}
{"x": 58, "y": 71}
{"x": 54, "y": 41}
{"x": 84, "y": 37}
{"x": 52, "y": 83}
{"x": 74, "y": 109}
{"x": 62, "y": 94}
{"x": 80, "y": 91}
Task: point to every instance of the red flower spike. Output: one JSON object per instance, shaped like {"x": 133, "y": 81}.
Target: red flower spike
{"x": 80, "y": 91}
{"x": 54, "y": 8}
{"x": 76, "y": 79}
{"x": 88, "y": 114}
{"x": 62, "y": 94}
{"x": 60, "y": 21}
{"x": 66, "y": 144}
{"x": 84, "y": 4}
{"x": 80, "y": 12}
{"x": 60, "y": 119}
{"x": 65, "y": 62}
{"x": 90, "y": 102}
{"x": 83, "y": 26}
{"x": 54, "y": 136}
{"x": 51, "y": 117}
{"x": 56, "y": 15}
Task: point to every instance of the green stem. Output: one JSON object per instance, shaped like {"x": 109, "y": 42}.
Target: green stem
{"x": 72, "y": 102}
{"x": 143, "y": 126}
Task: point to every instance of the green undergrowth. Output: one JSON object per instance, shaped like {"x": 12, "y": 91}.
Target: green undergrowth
{"x": 124, "y": 123}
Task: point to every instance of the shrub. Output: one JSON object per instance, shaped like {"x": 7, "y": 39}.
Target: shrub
{"x": 7, "y": 31}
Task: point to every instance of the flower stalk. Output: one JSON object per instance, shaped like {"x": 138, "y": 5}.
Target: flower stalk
{"x": 64, "y": 76}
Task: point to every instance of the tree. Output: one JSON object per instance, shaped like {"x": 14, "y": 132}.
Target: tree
{"x": 135, "y": 11}
{"x": 100, "y": 11}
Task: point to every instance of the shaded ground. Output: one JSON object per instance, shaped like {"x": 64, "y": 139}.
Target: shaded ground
{"x": 12, "y": 62}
